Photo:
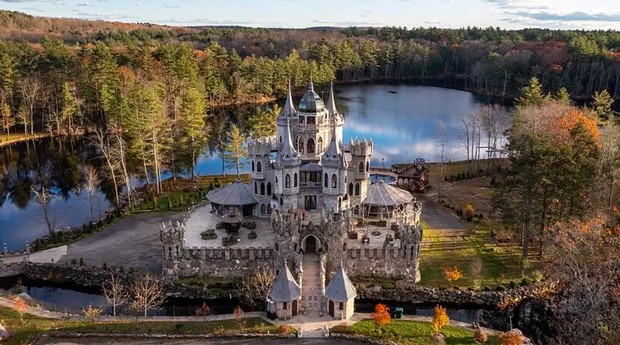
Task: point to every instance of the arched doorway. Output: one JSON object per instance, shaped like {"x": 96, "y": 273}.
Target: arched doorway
{"x": 310, "y": 244}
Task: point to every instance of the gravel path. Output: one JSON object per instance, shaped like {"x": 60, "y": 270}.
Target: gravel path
{"x": 436, "y": 217}
{"x": 130, "y": 242}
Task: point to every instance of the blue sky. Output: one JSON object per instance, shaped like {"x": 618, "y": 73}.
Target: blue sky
{"x": 511, "y": 14}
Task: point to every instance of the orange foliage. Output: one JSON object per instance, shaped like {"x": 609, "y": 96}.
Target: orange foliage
{"x": 381, "y": 315}
{"x": 440, "y": 318}
{"x": 510, "y": 338}
{"x": 20, "y": 307}
{"x": 570, "y": 120}
{"x": 452, "y": 274}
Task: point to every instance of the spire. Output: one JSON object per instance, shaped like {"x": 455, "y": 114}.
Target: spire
{"x": 285, "y": 288}
{"x": 288, "y": 152}
{"x": 334, "y": 155}
{"x": 310, "y": 84}
{"x": 340, "y": 288}
{"x": 289, "y": 108}
{"x": 331, "y": 102}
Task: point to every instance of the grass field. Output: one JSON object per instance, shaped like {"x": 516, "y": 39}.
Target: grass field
{"x": 35, "y": 326}
{"x": 412, "y": 333}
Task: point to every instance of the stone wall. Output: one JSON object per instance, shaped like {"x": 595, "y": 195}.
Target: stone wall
{"x": 396, "y": 263}
{"x": 12, "y": 269}
{"x": 218, "y": 262}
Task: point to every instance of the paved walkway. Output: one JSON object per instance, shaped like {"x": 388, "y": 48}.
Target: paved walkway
{"x": 311, "y": 282}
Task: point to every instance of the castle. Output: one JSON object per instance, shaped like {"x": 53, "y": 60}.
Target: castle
{"x": 318, "y": 217}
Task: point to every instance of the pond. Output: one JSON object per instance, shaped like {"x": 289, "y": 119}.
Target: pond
{"x": 400, "y": 118}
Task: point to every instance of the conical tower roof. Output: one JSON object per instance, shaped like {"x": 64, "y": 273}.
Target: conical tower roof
{"x": 334, "y": 155}
{"x": 285, "y": 289}
{"x": 382, "y": 194}
{"x": 234, "y": 194}
{"x": 289, "y": 108}
{"x": 331, "y": 101}
{"x": 340, "y": 287}
{"x": 287, "y": 154}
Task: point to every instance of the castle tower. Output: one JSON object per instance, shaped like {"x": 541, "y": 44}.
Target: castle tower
{"x": 334, "y": 176}
{"x": 283, "y": 297}
{"x": 171, "y": 236}
{"x": 262, "y": 186}
{"x": 336, "y": 119}
{"x": 340, "y": 294}
{"x": 359, "y": 169}
{"x": 286, "y": 173}
{"x": 288, "y": 114}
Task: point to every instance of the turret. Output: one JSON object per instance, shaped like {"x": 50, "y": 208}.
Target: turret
{"x": 286, "y": 172}
{"x": 334, "y": 176}
{"x": 259, "y": 151}
{"x": 287, "y": 113}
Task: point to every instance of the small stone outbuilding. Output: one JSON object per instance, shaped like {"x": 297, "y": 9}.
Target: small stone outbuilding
{"x": 283, "y": 298}
{"x": 340, "y": 294}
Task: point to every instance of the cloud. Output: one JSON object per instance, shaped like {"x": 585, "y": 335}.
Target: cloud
{"x": 105, "y": 16}
{"x": 85, "y": 4}
{"x": 56, "y": 2}
{"x": 346, "y": 23}
{"x": 171, "y": 6}
{"x": 571, "y": 16}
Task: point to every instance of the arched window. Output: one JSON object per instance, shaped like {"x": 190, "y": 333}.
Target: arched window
{"x": 276, "y": 179}
{"x": 320, "y": 145}
{"x": 263, "y": 209}
{"x": 287, "y": 181}
{"x": 262, "y": 188}
{"x": 255, "y": 187}
{"x": 334, "y": 181}
{"x": 280, "y": 139}
{"x": 326, "y": 184}
{"x": 301, "y": 145}
{"x": 367, "y": 166}
{"x": 310, "y": 145}
{"x": 361, "y": 167}
{"x": 252, "y": 165}
{"x": 259, "y": 166}
{"x": 357, "y": 188}
{"x": 350, "y": 188}
{"x": 281, "y": 204}
{"x": 295, "y": 180}
{"x": 268, "y": 188}
{"x": 269, "y": 209}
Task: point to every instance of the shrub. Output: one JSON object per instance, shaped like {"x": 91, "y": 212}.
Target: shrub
{"x": 81, "y": 261}
{"x": 208, "y": 234}
{"x": 480, "y": 335}
{"x": 74, "y": 261}
{"x": 91, "y": 313}
{"x": 353, "y": 235}
{"x": 252, "y": 235}
{"x": 500, "y": 288}
{"x": 452, "y": 274}
{"x": 249, "y": 224}
{"x": 285, "y": 329}
{"x": 381, "y": 316}
{"x": 229, "y": 240}
{"x": 537, "y": 276}
{"x": 513, "y": 337}
{"x": 219, "y": 225}
{"x": 513, "y": 284}
{"x": 440, "y": 318}
{"x": 203, "y": 310}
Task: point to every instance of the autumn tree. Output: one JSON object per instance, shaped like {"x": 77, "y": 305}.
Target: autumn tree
{"x": 510, "y": 338}
{"x": 238, "y": 312}
{"x": 440, "y": 319}
{"x": 7, "y": 121}
{"x": 147, "y": 292}
{"x": 234, "y": 152}
{"x": 452, "y": 274}
{"x": 381, "y": 316}
{"x": 20, "y": 307}
{"x": 554, "y": 151}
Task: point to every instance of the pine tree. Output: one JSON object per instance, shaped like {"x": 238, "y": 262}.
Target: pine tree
{"x": 531, "y": 94}
{"x": 563, "y": 96}
{"x": 234, "y": 152}
{"x": 601, "y": 104}
{"x": 6, "y": 118}
{"x": 193, "y": 134}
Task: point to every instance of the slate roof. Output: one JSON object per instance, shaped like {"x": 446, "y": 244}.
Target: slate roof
{"x": 285, "y": 289}
{"x": 382, "y": 194}
{"x": 234, "y": 194}
{"x": 311, "y": 167}
{"x": 311, "y": 102}
{"x": 340, "y": 287}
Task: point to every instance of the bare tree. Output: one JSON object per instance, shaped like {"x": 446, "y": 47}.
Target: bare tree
{"x": 115, "y": 292}
{"x": 147, "y": 293}
{"x": 30, "y": 88}
{"x": 50, "y": 216}
{"x": 91, "y": 182}
{"x": 255, "y": 286}
{"x": 102, "y": 142}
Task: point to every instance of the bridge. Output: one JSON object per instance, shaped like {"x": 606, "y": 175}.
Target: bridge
{"x": 12, "y": 264}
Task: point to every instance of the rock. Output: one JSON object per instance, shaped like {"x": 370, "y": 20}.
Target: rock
{"x": 4, "y": 334}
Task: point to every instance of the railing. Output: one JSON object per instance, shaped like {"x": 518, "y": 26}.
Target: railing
{"x": 310, "y": 184}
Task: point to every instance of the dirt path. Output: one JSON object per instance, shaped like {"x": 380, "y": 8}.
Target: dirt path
{"x": 436, "y": 217}
{"x": 130, "y": 242}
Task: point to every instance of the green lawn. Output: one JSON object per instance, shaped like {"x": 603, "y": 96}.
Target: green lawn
{"x": 501, "y": 263}
{"x": 412, "y": 333}
{"x": 35, "y": 326}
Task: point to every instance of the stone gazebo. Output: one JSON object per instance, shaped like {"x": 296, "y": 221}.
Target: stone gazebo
{"x": 231, "y": 198}
{"x": 384, "y": 201}
{"x": 340, "y": 294}
{"x": 283, "y": 298}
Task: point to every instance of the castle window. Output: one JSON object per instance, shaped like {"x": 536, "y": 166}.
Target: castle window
{"x": 284, "y": 305}
{"x": 268, "y": 188}
{"x": 280, "y": 139}
{"x": 263, "y": 209}
{"x": 269, "y": 209}
{"x": 320, "y": 145}
{"x": 281, "y": 202}
{"x": 287, "y": 181}
{"x": 310, "y": 145}
{"x": 295, "y": 180}
{"x": 334, "y": 181}
{"x": 259, "y": 166}
{"x": 301, "y": 145}
{"x": 276, "y": 179}
{"x": 255, "y": 187}
{"x": 262, "y": 188}
{"x": 361, "y": 167}
{"x": 341, "y": 306}
{"x": 326, "y": 181}
{"x": 350, "y": 188}
{"x": 252, "y": 165}
{"x": 169, "y": 252}
{"x": 357, "y": 188}
{"x": 367, "y": 166}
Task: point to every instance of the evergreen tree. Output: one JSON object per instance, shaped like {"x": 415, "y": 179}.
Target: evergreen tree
{"x": 531, "y": 94}
{"x": 601, "y": 104}
{"x": 234, "y": 152}
{"x": 193, "y": 134}
{"x": 563, "y": 96}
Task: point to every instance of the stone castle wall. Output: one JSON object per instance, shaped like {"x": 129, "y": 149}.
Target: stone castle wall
{"x": 395, "y": 263}
{"x": 217, "y": 262}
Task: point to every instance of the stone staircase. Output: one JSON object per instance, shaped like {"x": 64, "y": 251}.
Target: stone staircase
{"x": 311, "y": 283}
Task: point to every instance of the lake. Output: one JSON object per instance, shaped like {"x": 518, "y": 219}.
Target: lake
{"x": 401, "y": 119}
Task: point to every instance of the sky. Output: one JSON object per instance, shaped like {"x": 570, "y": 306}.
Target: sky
{"x": 507, "y": 14}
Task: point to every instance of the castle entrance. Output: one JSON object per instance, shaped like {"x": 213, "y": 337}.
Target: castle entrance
{"x": 310, "y": 203}
{"x": 310, "y": 244}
